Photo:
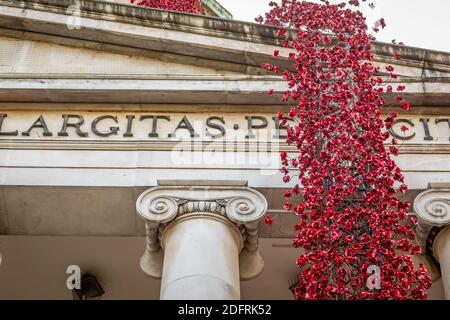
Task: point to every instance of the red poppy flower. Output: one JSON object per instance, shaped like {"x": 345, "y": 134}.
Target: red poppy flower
{"x": 394, "y": 150}
{"x": 403, "y": 188}
{"x": 406, "y": 106}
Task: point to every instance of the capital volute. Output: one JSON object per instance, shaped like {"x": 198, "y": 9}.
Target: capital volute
{"x": 432, "y": 208}
{"x": 157, "y": 208}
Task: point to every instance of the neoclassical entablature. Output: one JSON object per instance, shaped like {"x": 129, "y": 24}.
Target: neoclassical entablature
{"x": 201, "y": 230}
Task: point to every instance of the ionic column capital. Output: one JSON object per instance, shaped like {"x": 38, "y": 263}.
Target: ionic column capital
{"x": 238, "y": 206}
{"x": 432, "y": 208}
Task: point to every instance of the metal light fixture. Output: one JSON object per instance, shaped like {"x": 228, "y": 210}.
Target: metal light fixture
{"x": 90, "y": 289}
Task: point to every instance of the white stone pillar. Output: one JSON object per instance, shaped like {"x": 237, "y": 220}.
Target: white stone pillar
{"x": 441, "y": 251}
{"x": 202, "y": 240}
{"x": 433, "y": 211}
{"x": 201, "y": 259}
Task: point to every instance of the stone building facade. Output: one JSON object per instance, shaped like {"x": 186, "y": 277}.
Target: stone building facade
{"x": 140, "y": 146}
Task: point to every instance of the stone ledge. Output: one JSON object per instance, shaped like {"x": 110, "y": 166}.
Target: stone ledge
{"x": 218, "y": 27}
{"x": 197, "y": 183}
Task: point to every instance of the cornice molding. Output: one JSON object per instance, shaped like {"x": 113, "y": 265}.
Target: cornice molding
{"x": 232, "y": 45}
{"x": 210, "y": 26}
{"x": 203, "y": 90}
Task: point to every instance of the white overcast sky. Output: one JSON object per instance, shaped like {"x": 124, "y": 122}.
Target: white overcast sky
{"x": 418, "y": 23}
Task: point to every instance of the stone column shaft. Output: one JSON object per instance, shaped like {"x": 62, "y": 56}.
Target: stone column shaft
{"x": 201, "y": 259}
{"x": 441, "y": 251}
{"x": 433, "y": 211}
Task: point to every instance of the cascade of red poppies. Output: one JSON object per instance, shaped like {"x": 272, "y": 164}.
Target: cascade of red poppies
{"x": 189, "y": 6}
{"x": 354, "y": 231}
